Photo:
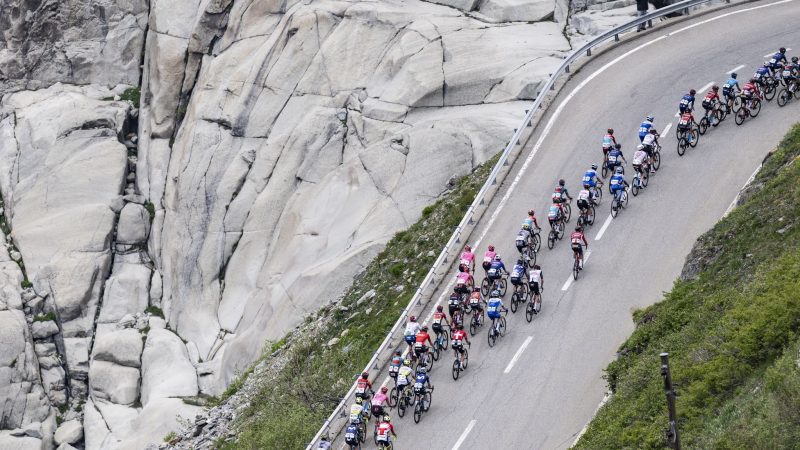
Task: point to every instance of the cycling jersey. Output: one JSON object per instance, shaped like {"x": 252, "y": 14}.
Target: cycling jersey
{"x": 475, "y": 300}
{"x": 412, "y": 328}
{"x": 639, "y": 157}
{"x": 535, "y": 275}
{"x": 617, "y": 182}
{"x": 404, "y": 375}
{"x": 554, "y": 213}
{"x": 609, "y": 141}
{"x": 650, "y": 140}
{"x": 710, "y": 97}
{"x": 685, "y": 121}
{"x": 522, "y": 239}
{"x": 584, "y": 194}
{"x": 439, "y": 318}
{"x": 419, "y": 382}
{"x": 379, "y": 399}
{"x": 761, "y": 72}
{"x": 494, "y": 307}
{"x": 458, "y": 337}
{"x": 577, "y": 238}
{"x": 467, "y": 257}
{"x": 644, "y": 129}
{"x": 498, "y": 266}
{"x": 351, "y": 434}
{"x": 558, "y": 196}
{"x": 730, "y": 86}
{"x": 489, "y": 256}
{"x": 590, "y": 178}
{"x": 423, "y": 337}
{"x": 362, "y": 385}
{"x": 614, "y": 157}
{"x": 776, "y": 59}
{"x": 749, "y": 89}
{"x": 394, "y": 366}
{"x": 356, "y": 412}
{"x": 384, "y": 430}
{"x": 517, "y": 273}
{"x": 687, "y": 101}
{"x": 531, "y": 221}
{"x": 463, "y": 278}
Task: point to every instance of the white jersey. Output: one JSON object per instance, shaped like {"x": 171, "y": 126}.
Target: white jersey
{"x": 639, "y": 157}
{"x": 412, "y": 328}
{"x": 583, "y": 194}
{"x": 535, "y": 276}
{"x": 649, "y": 139}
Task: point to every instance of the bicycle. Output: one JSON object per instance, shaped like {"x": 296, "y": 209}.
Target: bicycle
{"x": 640, "y": 180}
{"x": 687, "y": 138}
{"x": 476, "y": 321}
{"x": 530, "y": 308}
{"x": 576, "y": 267}
{"x": 423, "y": 403}
{"x": 361, "y": 427}
{"x": 770, "y": 88}
{"x": 501, "y": 284}
{"x": 656, "y": 155}
{"x": 750, "y": 109}
{"x": 357, "y": 438}
{"x": 786, "y": 94}
{"x": 519, "y": 296}
{"x": 441, "y": 343}
{"x": 460, "y": 362}
{"x": 498, "y": 328}
{"x": 620, "y": 202}
{"x": 732, "y": 103}
{"x": 556, "y": 233}
{"x": 385, "y": 445}
{"x": 597, "y": 194}
{"x": 426, "y": 360}
{"x": 705, "y": 122}
{"x": 405, "y": 400}
{"x": 587, "y": 216}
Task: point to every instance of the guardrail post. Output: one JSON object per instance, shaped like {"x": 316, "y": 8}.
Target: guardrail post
{"x": 616, "y": 38}
{"x": 588, "y": 52}
{"x": 650, "y": 22}
{"x": 566, "y": 69}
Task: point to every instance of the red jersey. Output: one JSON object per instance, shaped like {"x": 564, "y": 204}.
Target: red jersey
{"x": 458, "y": 336}
{"x": 439, "y": 317}
{"x": 712, "y": 95}
{"x": 576, "y": 237}
{"x": 362, "y": 385}
{"x": 686, "y": 119}
{"x": 422, "y": 337}
{"x": 750, "y": 88}
{"x": 384, "y": 429}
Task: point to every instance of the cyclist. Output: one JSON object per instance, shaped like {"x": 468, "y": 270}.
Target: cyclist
{"x": 576, "y": 238}
{"x": 591, "y": 181}
{"x": 531, "y": 220}
{"x": 687, "y": 101}
{"x": 790, "y": 73}
{"x": 421, "y": 385}
{"x": 496, "y": 270}
{"x": 614, "y": 157}
{"x": 463, "y": 280}
{"x": 609, "y": 141}
{"x": 686, "y": 122}
{"x": 378, "y": 401}
{"x": 422, "y": 337}
{"x": 404, "y": 376}
{"x": 495, "y": 307}
{"x": 645, "y": 127}
{"x": 554, "y": 215}
{"x": 731, "y": 87}
{"x": 762, "y": 73}
{"x": 750, "y": 90}
{"x": 640, "y": 161}
{"x": 560, "y": 193}
{"x": 325, "y": 443}
{"x": 439, "y": 321}
{"x": 350, "y": 436}
{"x": 386, "y": 431}
{"x": 618, "y": 184}
{"x": 468, "y": 258}
{"x": 584, "y": 197}
{"x": 412, "y": 328}
{"x": 454, "y": 305}
{"x": 488, "y": 257}
{"x": 536, "y": 284}
{"x": 778, "y": 58}
{"x": 359, "y": 411}
{"x": 517, "y": 273}
{"x": 459, "y": 336}
{"x": 364, "y": 386}
{"x": 650, "y": 141}
{"x": 711, "y": 103}
{"x": 394, "y": 364}
{"x": 476, "y": 302}
{"x": 521, "y": 241}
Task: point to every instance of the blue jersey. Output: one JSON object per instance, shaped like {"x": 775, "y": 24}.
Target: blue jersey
{"x": 614, "y": 157}
{"x": 518, "y": 271}
{"x": 493, "y": 307}
{"x": 422, "y": 378}
{"x": 644, "y": 128}
{"x": 498, "y": 265}
{"x": 730, "y": 86}
{"x": 590, "y": 178}
{"x": 617, "y": 182}
{"x": 778, "y": 57}
{"x": 608, "y": 141}
{"x": 761, "y": 72}
{"x": 687, "y": 101}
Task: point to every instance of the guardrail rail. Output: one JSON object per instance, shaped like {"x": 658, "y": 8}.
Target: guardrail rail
{"x": 476, "y": 209}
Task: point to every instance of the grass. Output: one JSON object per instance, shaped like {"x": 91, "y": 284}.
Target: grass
{"x": 45, "y": 317}
{"x": 154, "y": 311}
{"x": 732, "y": 331}
{"x": 26, "y": 284}
{"x": 132, "y": 94}
{"x": 289, "y": 408}
{"x": 151, "y": 209}
{"x": 170, "y": 436}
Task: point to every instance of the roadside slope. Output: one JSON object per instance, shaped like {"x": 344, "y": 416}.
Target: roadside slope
{"x": 731, "y": 327}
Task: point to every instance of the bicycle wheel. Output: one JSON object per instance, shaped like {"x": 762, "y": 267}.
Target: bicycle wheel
{"x": 635, "y": 186}
{"x": 514, "y": 298}
{"x": 465, "y": 361}
{"x": 604, "y": 171}
{"x": 362, "y": 431}
{"x": 702, "y": 127}
{"x": 737, "y": 104}
{"x": 561, "y": 229}
{"x": 614, "y": 207}
{"x": 567, "y": 212}
{"x": 392, "y": 400}
{"x": 418, "y": 412}
{"x": 755, "y": 108}
{"x": 590, "y": 219}
{"x": 530, "y": 257}
{"x": 695, "y": 138}
{"x": 435, "y": 351}
{"x": 598, "y": 196}
{"x": 491, "y": 336}
{"x": 769, "y": 92}
{"x": 401, "y": 406}
{"x": 624, "y": 201}
{"x": 429, "y": 361}
{"x": 485, "y": 286}
{"x": 656, "y": 160}
{"x": 446, "y": 337}
{"x": 783, "y": 97}
{"x": 502, "y": 326}
{"x": 645, "y": 178}
{"x": 741, "y": 114}
{"x": 721, "y": 114}
{"x": 473, "y": 326}
{"x": 575, "y": 269}
{"x": 537, "y": 243}
{"x": 456, "y": 369}
{"x": 529, "y": 311}
{"x": 503, "y": 287}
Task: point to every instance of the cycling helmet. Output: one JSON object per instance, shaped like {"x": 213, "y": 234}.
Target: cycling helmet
{"x": 384, "y": 389}
{"x": 476, "y": 289}
{"x": 467, "y": 248}
{"x": 398, "y": 353}
{"x": 794, "y": 59}
{"x": 752, "y": 80}
{"x": 495, "y": 293}
{"x": 594, "y": 166}
{"x": 766, "y": 64}
{"x": 715, "y": 87}
{"x": 650, "y": 118}
{"x": 688, "y": 110}
{"x": 359, "y": 401}
{"x": 692, "y": 92}
{"x": 365, "y": 375}
{"x": 579, "y": 228}
{"x": 619, "y": 169}
{"x": 531, "y": 212}
{"x": 525, "y": 226}
{"x": 561, "y": 182}
{"x": 424, "y": 328}
{"x": 407, "y": 362}
{"x": 652, "y": 131}
{"x": 734, "y": 75}
{"x": 782, "y": 49}
{"x": 610, "y": 131}
{"x": 439, "y": 308}
{"x": 640, "y": 147}
{"x": 497, "y": 258}
{"x": 519, "y": 261}
{"x": 466, "y": 269}
{"x": 491, "y": 248}
{"x": 387, "y": 418}
{"x": 413, "y": 318}
{"x": 618, "y": 146}
{"x": 422, "y": 369}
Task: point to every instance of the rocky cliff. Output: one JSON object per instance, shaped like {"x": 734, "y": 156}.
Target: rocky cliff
{"x": 182, "y": 181}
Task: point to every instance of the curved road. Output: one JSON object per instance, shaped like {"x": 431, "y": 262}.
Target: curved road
{"x": 541, "y": 383}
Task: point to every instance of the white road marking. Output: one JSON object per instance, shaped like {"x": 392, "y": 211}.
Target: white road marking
{"x": 665, "y": 130}
{"x": 518, "y": 354}
{"x": 770, "y": 54}
{"x": 705, "y": 88}
{"x": 737, "y": 68}
{"x": 569, "y": 281}
{"x": 605, "y": 400}
{"x": 735, "y": 199}
{"x": 677, "y": 114}
{"x": 604, "y": 228}
{"x": 464, "y": 435}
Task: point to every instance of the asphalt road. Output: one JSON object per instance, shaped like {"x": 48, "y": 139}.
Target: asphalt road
{"x": 546, "y": 395}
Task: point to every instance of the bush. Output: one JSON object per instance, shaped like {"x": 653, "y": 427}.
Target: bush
{"x": 132, "y": 95}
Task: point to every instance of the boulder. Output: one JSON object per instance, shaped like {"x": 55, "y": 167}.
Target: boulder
{"x": 43, "y": 330}
{"x": 134, "y": 224}
{"x": 518, "y": 10}
{"x": 166, "y": 368}
{"x": 127, "y": 292}
{"x": 9, "y": 442}
{"x": 123, "y": 347}
{"x": 69, "y": 432}
{"x": 115, "y": 383}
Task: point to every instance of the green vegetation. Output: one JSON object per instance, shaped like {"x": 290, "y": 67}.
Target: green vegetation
{"x": 45, "y": 317}
{"x": 131, "y": 94}
{"x": 171, "y": 436}
{"x": 293, "y": 403}
{"x": 154, "y": 311}
{"x": 733, "y": 333}
{"x": 26, "y": 284}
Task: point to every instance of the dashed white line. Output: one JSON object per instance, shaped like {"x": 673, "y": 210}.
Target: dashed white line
{"x": 770, "y": 54}
{"x": 705, "y": 88}
{"x": 604, "y": 228}
{"x": 569, "y": 281}
{"x": 742, "y": 66}
{"x": 463, "y": 436}
{"x": 518, "y": 354}
{"x": 664, "y": 131}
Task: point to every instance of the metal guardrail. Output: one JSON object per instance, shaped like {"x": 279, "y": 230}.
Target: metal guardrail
{"x": 480, "y": 199}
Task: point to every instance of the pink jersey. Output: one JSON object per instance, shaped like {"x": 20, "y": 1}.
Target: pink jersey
{"x": 489, "y": 256}
{"x": 379, "y": 399}
{"x": 467, "y": 257}
{"x": 462, "y": 278}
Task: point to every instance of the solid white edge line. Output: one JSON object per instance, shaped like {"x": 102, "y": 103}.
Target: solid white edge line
{"x": 463, "y": 436}
{"x": 604, "y": 228}
{"x": 518, "y": 354}
{"x": 605, "y": 400}
{"x": 739, "y": 67}
{"x": 569, "y": 281}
